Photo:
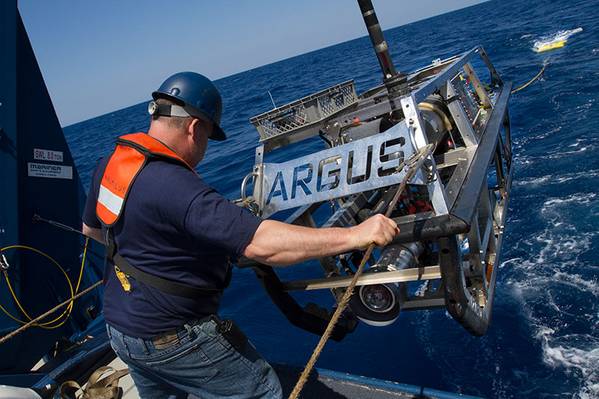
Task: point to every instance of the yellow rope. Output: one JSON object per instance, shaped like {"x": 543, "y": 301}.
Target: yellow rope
{"x": 537, "y": 76}
{"x": 6, "y": 312}
{"x": 49, "y": 324}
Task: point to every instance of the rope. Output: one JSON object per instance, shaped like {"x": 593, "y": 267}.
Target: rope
{"x": 414, "y": 165}
{"x": 537, "y": 76}
{"x": 33, "y": 322}
{"x": 96, "y": 387}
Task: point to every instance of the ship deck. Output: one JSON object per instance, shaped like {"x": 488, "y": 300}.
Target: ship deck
{"x": 329, "y": 384}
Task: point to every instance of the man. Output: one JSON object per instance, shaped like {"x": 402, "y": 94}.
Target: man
{"x": 169, "y": 239}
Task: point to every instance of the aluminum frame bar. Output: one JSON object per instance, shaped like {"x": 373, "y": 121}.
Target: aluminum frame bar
{"x": 396, "y": 276}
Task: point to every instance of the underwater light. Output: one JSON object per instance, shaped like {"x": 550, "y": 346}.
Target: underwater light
{"x": 376, "y": 305}
{"x": 378, "y": 298}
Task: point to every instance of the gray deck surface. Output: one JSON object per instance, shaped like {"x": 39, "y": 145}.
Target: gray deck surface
{"x": 320, "y": 387}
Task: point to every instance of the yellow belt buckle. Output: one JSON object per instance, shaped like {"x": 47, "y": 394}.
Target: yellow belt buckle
{"x": 122, "y": 279}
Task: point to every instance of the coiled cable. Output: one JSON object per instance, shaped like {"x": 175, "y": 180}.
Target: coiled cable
{"x": 56, "y": 322}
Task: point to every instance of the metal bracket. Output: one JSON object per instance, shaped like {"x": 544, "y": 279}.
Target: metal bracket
{"x": 414, "y": 121}
{"x": 4, "y": 262}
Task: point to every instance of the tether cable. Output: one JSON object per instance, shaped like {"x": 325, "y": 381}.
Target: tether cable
{"x": 38, "y": 218}
{"x": 536, "y": 77}
{"x": 414, "y": 164}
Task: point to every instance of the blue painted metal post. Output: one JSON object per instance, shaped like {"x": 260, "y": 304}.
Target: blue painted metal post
{"x": 9, "y": 232}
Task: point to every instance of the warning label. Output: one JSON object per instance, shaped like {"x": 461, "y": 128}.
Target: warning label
{"x": 47, "y": 155}
{"x": 50, "y": 171}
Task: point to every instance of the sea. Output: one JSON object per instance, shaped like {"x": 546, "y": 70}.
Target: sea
{"x": 544, "y": 338}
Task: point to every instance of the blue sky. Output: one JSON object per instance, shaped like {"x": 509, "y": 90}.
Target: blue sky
{"x": 100, "y": 56}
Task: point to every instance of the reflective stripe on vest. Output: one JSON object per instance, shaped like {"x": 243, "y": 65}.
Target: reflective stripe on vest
{"x": 128, "y": 159}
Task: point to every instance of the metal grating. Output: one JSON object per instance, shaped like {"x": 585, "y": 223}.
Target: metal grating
{"x": 305, "y": 111}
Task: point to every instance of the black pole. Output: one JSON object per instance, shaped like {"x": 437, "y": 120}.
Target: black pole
{"x": 395, "y": 81}
{"x": 377, "y": 38}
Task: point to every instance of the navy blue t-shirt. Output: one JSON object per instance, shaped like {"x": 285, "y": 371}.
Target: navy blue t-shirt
{"x": 177, "y": 227}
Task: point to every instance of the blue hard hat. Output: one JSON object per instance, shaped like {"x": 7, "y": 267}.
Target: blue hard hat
{"x": 198, "y": 96}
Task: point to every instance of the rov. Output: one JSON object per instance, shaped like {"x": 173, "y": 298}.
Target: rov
{"x": 451, "y": 216}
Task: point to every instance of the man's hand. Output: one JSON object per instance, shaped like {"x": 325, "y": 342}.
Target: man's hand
{"x": 377, "y": 229}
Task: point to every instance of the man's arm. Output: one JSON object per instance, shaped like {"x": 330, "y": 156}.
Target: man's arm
{"x": 91, "y": 226}
{"x": 281, "y": 244}
{"x": 94, "y": 233}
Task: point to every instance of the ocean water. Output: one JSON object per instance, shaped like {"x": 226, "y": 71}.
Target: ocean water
{"x": 544, "y": 338}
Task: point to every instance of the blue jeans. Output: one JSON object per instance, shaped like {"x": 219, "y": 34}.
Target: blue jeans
{"x": 199, "y": 361}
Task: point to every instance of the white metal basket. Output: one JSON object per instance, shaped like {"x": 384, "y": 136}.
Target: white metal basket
{"x": 305, "y": 111}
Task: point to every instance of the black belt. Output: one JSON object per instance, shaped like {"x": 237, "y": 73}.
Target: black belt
{"x": 162, "y": 284}
{"x": 169, "y": 337}
{"x": 227, "y": 328}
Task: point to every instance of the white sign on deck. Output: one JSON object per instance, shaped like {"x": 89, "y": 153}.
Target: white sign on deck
{"x": 49, "y": 170}
{"x": 47, "y": 155}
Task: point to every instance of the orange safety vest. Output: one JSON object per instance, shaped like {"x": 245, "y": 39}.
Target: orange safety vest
{"x": 131, "y": 154}
{"x": 128, "y": 159}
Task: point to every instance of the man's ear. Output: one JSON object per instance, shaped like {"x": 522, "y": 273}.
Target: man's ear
{"x": 191, "y": 128}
